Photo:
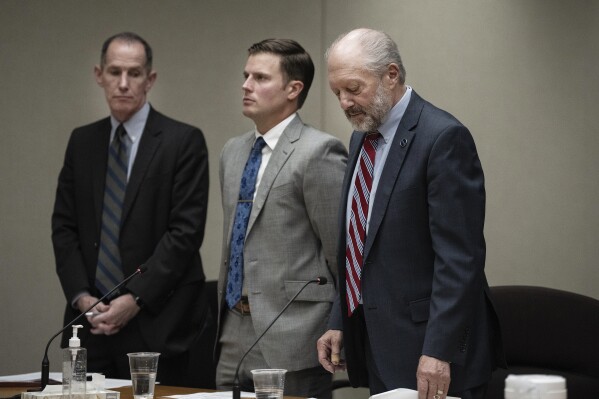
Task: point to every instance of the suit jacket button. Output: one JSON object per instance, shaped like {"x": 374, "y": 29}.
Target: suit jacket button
{"x": 95, "y": 245}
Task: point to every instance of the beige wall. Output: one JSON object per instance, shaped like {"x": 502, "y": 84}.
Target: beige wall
{"x": 521, "y": 74}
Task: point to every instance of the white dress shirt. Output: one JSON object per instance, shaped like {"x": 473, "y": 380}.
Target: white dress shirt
{"x": 271, "y": 138}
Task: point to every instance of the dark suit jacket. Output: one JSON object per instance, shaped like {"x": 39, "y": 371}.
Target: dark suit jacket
{"x": 163, "y": 219}
{"x": 423, "y": 282}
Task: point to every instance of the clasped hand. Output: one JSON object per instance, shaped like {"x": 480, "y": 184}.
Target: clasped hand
{"x": 109, "y": 319}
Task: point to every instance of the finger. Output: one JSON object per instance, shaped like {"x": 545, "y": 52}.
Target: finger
{"x": 335, "y": 359}
{"x": 422, "y": 386}
{"x": 326, "y": 364}
{"x": 102, "y": 307}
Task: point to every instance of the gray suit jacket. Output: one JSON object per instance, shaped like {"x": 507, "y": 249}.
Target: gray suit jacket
{"x": 291, "y": 238}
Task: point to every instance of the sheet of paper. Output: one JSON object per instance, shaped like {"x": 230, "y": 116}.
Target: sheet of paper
{"x": 213, "y": 395}
{"x": 401, "y": 393}
{"x": 110, "y": 382}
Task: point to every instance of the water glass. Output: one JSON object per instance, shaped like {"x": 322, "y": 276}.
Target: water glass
{"x": 143, "y": 367}
{"x": 269, "y": 383}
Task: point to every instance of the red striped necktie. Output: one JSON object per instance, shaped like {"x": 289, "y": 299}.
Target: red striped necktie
{"x": 356, "y": 237}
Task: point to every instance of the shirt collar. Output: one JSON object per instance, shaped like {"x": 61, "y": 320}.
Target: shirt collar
{"x": 273, "y": 135}
{"x": 134, "y": 125}
{"x": 393, "y": 118}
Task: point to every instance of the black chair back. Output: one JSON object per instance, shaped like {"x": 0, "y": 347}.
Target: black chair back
{"x": 548, "y": 331}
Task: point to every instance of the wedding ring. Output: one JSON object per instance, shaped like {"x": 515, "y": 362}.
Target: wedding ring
{"x": 436, "y": 396}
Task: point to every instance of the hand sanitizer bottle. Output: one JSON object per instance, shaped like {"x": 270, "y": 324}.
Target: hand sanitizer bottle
{"x": 74, "y": 368}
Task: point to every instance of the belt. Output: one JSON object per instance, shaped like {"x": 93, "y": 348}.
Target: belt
{"x": 243, "y": 306}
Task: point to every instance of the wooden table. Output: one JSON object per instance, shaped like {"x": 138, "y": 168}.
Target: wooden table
{"x": 127, "y": 393}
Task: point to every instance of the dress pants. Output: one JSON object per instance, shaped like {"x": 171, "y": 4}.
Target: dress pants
{"x": 237, "y": 336}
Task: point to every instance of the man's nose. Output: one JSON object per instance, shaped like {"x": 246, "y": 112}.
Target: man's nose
{"x": 345, "y": 101}
{"x": 123, "y": 81}
{"x": 246, "y": 86}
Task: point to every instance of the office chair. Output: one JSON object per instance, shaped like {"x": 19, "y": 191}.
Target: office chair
{"x": 202, "y": 365}
{"x": 548, "y": 331}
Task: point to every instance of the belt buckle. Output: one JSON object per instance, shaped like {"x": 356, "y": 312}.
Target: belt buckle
{"x": 244, "y": 306}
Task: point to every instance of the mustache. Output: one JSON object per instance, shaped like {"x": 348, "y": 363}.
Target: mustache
{"x": 356, "y": 109}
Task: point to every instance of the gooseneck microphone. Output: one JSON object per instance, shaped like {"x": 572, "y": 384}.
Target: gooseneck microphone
{"x": 236, "y": 388}
{"x": 45, "y": 362}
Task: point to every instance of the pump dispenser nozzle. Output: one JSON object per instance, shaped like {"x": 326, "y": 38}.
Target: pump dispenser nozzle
{"x": 74, "y": 368}
{"x": 75, "y": 342}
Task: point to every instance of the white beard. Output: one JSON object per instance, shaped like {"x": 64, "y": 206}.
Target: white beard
{"x": 374, "y": 114}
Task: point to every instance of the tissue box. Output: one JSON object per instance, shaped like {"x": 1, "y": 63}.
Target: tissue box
{"x": 54, "y": 394}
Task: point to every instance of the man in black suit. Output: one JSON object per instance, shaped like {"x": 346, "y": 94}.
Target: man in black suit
{"x": 414, "y": 309}
{"x": 133, "y": 190}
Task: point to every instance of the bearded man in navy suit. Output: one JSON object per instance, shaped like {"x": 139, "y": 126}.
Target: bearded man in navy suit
{"x": 414, "y": 309}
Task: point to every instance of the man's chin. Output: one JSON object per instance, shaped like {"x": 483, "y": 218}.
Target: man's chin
{"x": 361, "y": 125}
{"x": 122, "y": 114}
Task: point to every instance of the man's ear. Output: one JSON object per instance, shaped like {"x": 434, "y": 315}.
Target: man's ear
{"x": 392, "y": 74}
{"x": 294, "y": 88}
{"x": 152, "y": 76}
{"x": 98, "y": 74}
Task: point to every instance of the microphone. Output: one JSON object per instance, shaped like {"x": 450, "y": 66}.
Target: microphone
{"x": 236, "y": 388}
{"x": 45, "y": 362}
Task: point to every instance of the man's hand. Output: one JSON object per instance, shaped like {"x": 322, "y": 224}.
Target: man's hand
{"x": 85, "y": 301}
{"x": 111, "y": 318}
{"x": 329, "y": 347}
{"x": 432, "y": 378}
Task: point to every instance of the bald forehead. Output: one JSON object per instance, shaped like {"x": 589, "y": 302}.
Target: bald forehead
{"x": 347, "y": 54}
{"x": 350, "y": 48}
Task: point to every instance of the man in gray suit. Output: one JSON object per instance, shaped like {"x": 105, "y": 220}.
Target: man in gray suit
{"x": 281, "y": 184}
{"x": 414, "y": 308}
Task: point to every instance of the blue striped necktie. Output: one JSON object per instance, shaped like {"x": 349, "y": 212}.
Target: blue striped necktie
{"x": 242, "y": 216}
{"x": 109, "y": 271}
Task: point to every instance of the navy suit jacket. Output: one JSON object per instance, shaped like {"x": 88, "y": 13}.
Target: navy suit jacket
{"x": 163, "y": 220}
{"x": 423, "y": 284}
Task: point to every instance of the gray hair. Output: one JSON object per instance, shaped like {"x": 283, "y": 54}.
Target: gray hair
{"x": 378, "y": 48}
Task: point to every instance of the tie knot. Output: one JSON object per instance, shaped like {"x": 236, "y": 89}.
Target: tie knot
{"x": 373, "y": 135}
{"x": 259, "y": 144}
{"x": 372, "y": 138}
{"x": 120, "y": 133}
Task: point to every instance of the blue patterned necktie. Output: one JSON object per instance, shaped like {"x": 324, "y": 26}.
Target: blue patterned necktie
{"x": 109, "y": 271}
{"x": 242, "y": 216}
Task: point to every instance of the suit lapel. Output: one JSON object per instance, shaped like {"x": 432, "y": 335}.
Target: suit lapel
{"x": 355, "y": 146}
{"x": 99, "y": 162}
{"x": 397, "y": 154}
{"x": 279, "y": 156}
{"x": 150, "y": 141}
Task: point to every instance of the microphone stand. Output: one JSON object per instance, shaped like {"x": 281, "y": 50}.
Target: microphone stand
{"x": 45, "y": 362}
{"x": 236, "y": 388}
